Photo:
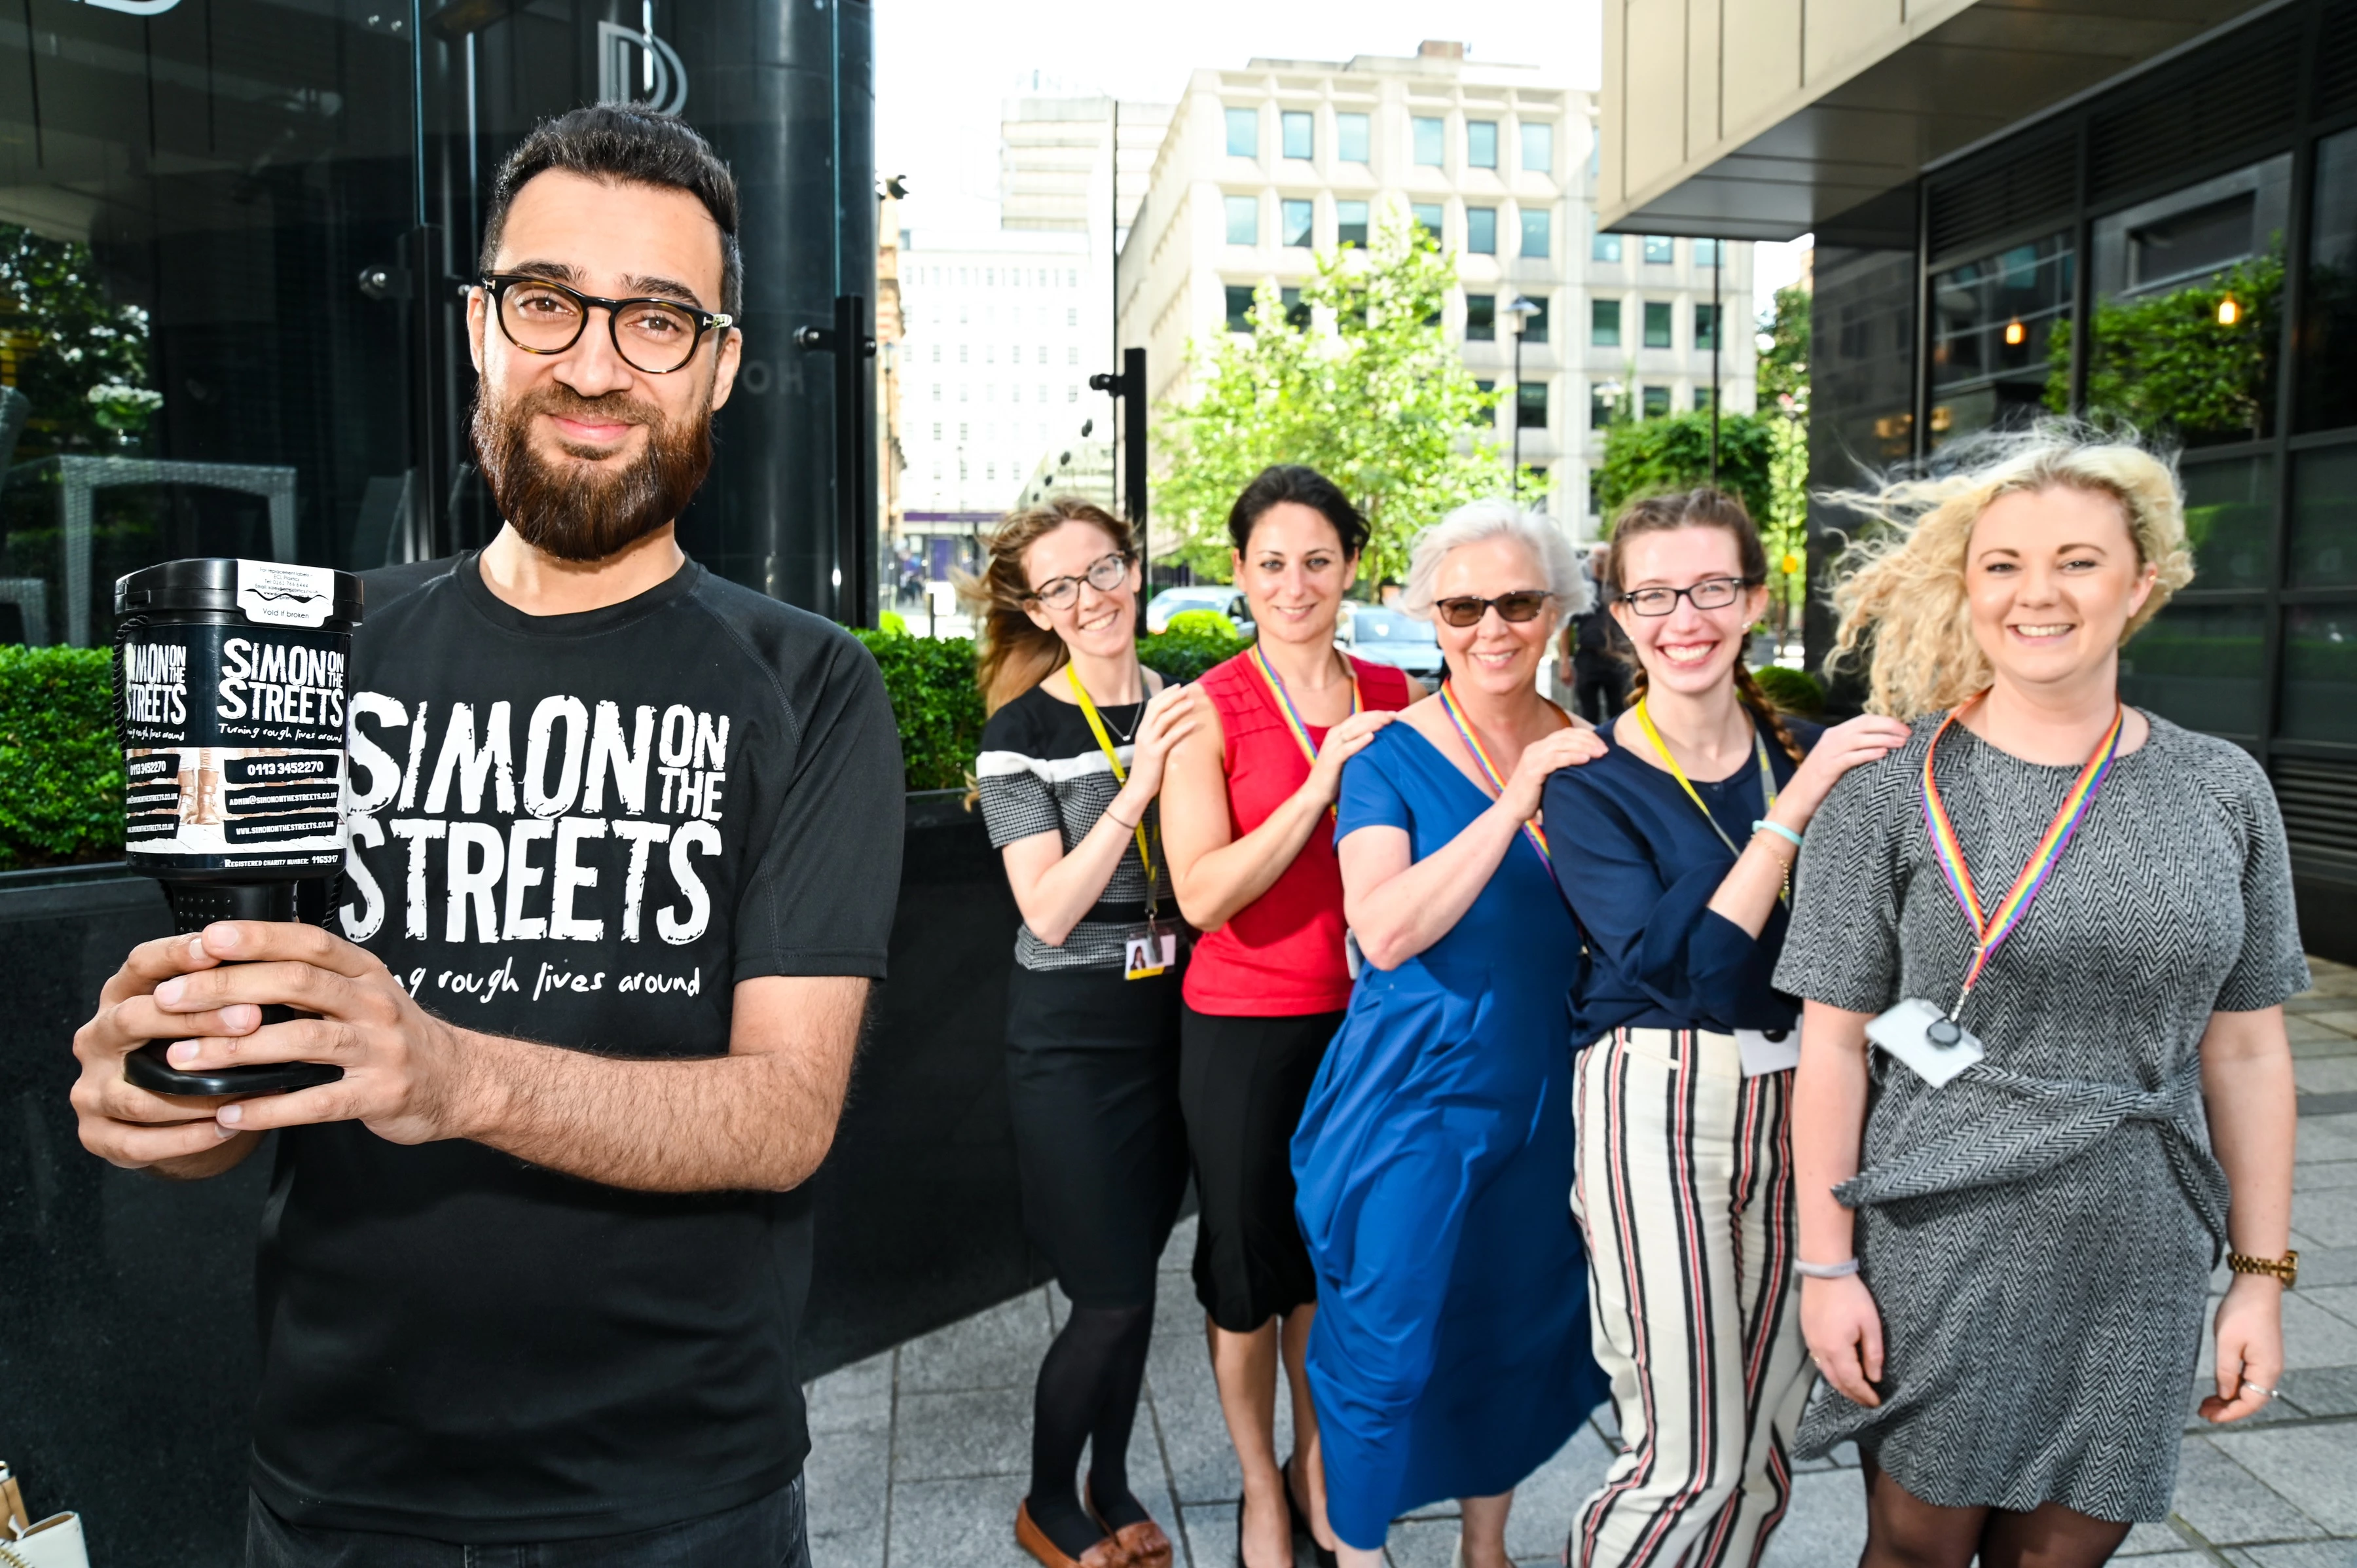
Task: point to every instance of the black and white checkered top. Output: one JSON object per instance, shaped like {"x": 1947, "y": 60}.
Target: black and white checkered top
{"x": 1042, "y": 771}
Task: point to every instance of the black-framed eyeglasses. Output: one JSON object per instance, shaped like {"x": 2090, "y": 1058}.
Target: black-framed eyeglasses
{"x": 1523, "y": 604}
{"x": 542, "y": 316}
{"x": 1710, "y": 594}
{"x": 1106, "y": 574}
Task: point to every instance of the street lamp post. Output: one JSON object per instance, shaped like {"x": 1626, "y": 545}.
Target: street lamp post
{"x": 1519, "y": 311}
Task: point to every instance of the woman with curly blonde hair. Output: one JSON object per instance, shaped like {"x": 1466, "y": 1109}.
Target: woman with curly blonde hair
{"x": 2068, "y": 925}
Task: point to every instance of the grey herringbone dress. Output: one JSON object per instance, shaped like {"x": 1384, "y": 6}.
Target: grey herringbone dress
{"x": 2039, "y": 1232}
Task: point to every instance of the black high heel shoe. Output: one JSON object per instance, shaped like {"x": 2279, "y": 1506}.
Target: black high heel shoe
{"x": 1300, "y": 1517}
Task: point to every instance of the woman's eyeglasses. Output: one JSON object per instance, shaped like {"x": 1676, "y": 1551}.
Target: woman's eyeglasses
{"x": 542, "y": 316}
{"x": 1105, "y": 574}
{"x": 1523, "y": 604}
{"x": 1710, "y": 594}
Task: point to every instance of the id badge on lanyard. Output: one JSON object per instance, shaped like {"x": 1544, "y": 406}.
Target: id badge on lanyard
{"x": 1143, "y": 956}
{"x": 1933, "y": 1044}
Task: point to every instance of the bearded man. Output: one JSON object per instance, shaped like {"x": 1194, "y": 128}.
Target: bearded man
{"x": 625, "y": 848}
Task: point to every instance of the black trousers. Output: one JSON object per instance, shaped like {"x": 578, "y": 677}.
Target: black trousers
{"x": 1242, "y": 1083}
{"x": 768, "y": 1532}
{"x": 1093, "y": 1089}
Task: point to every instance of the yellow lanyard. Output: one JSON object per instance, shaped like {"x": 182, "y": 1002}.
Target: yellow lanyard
{"x": 1760, "y": 748}
{"x": 1120, "y": 775}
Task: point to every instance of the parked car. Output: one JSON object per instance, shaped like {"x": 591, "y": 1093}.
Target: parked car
{"x": 1219, "y": 597}
{"x": 1381, "y": 635}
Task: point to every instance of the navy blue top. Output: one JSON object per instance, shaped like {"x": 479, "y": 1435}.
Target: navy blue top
{"x": 1639, "y": 866}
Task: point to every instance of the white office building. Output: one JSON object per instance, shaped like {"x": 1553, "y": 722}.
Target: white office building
{"x": 1266, "y": 167}
{"x": 994, "y": 360}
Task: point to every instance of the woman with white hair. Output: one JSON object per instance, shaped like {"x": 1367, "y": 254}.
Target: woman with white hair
{"x": 2068, "y": 924}
{"x": 1449, "y": 1356}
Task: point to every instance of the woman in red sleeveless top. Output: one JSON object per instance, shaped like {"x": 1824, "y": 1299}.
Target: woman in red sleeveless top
{"x": 1247, "y": 826}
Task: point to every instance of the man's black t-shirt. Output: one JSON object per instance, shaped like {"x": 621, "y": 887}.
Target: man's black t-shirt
{"x": 583, "y": 830}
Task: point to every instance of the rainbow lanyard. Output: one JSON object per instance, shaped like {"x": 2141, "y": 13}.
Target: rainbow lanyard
{"x": 1293, "y": 720}
{"x": 1767, "y": 779}
{"x": 1531, "y": 830}
{"x": 1119, "y": 776}
{"x": 1995, "y": 926}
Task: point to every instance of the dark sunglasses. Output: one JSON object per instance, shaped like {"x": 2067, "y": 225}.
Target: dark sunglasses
{"x": 1522, "y": 604}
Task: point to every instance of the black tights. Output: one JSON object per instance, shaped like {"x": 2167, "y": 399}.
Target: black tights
{"x": 1904, "y": 1532}
{"x": 1087, "y": 1396}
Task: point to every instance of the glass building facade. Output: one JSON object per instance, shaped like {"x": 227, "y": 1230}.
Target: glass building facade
{"x": 233, "y": 239}
{"x": 2176, "y": 252}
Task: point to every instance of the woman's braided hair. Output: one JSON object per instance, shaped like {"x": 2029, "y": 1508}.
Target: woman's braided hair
{"x": 1706, "y": 506}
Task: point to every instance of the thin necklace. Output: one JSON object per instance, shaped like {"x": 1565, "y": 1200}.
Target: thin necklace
{"x": 1137, "y": 719}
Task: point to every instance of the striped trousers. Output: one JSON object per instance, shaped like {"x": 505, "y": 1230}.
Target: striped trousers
{"x": 1684, "y": 1193}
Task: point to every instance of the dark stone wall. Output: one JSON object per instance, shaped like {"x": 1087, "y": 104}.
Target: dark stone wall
{"x": 127, "y": 1347}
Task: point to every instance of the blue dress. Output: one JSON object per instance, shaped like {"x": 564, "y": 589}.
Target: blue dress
{"x": 1451, "y": 1356}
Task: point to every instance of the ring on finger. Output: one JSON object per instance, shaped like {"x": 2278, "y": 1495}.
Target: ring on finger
{"x": 2249, "y": 1387}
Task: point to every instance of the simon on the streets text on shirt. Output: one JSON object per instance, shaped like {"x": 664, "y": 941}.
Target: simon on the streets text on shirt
{"x": 582, "y": 830}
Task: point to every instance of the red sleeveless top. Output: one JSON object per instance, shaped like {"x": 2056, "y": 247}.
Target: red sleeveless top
{"x": 1281, "y": 955}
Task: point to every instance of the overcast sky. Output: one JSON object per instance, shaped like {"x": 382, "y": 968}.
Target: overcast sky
{"x": 943, "y": 67}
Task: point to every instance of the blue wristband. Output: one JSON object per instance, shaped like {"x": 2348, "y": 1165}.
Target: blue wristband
{"x": 1779, "y": 829}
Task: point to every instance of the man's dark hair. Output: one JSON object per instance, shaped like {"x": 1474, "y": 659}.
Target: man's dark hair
{"x": 1304, "y": 487}
{"x": 622, "y": 142}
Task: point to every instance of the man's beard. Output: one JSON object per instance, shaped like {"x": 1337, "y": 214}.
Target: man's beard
{"x": 588, "y": 512}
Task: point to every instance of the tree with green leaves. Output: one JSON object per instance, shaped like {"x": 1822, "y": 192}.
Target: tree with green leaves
{"x": 1783, "y": 363}
{"x": 1672, "y": 452}
{"x": 82, "y": 359}
{"x": 1361, "y": 385}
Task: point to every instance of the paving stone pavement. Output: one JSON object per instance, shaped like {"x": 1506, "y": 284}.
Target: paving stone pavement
{"x": 920, "y": 1454}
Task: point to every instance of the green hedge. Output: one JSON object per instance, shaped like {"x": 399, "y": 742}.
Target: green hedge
{"x": 1794, "y": 691}
{"x": 61, "y": 772}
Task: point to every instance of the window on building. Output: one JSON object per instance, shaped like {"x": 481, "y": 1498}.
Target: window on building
{"x": 965, "y": 392}
{"x": 937, "y": 430}
{"x": 1481, "y": 318}
{"x": 1294, "y": 219}
{"x": 1530, "y": 405}
{"x": 1427, "y": 216}
{"x": 1488, "y": 415}
{"x": 1071, "y": 317}
{"x": 1428, "y": 135}
{"x": 1604, "y": 323}
{"x": 1350, "y": 138}
{"x": 1243, "y": 132}
{"x": 1350, "y": 221}
{"x": 1073, "y": 354}
{"x": 1480, "y": 143}
{"x": 937, "y": 391}
{"x": 966, "y": 432}
{"x": 1072, "y": 392}
{"x": 1706, "y": 328}
{"x": 1709, "y": 252}
{"x": 1538, "y": 146}
{"x": 937, "y": 353}
{"x": 1535, "y": 324}
{"x": 1240, "y": 308}
{"x": 1603, "y": 404}
{"x": 1601, "y": 246}
{"x": 1661, "y": 250}
{"x": 1704, "y": 397}
{"x": 1657, "y": 324}
{"x": 1299, "y": 128}
{"x": 963, "y": 349}
{"x": 1995, "y": 325}
{"x": 990, "y": 470}
{"x": 1656, "y": 402}
{"x": 1482, "y": 230}
{"x": 1538, "y": 232}
{"x": 1243, "y": 220}
{"x": 1297, "y": 315}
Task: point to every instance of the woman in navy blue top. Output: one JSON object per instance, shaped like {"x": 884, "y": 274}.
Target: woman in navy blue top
{"x": 1675, "y": 850}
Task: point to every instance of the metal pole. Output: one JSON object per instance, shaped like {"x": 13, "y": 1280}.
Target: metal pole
{"x": 1133, "y": 420}
{"x": 1515, "y": 479}
{"x": 1717, "y": 336}
{"x": 1113, "y": 289}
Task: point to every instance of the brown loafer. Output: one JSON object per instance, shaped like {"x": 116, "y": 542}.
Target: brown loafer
{"x": 1106, "y": 1553}
{"x": 1143, "y": 1544}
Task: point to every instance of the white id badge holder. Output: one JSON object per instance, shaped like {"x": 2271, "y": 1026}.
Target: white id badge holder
{"x": 1148, "y": 956}
{"x": 1768, "y": 1050}
{"x": 1934, "y": 1046}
